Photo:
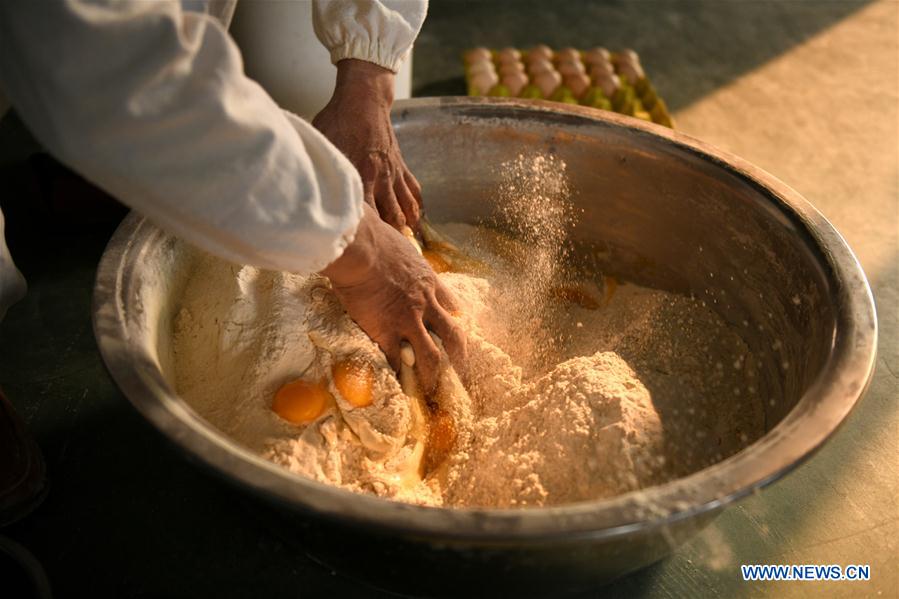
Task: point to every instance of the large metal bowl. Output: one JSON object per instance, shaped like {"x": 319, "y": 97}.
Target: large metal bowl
{"x": 668, "y": 211}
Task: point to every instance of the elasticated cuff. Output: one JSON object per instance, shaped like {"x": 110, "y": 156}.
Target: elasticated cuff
{"x": 369, "y": 52}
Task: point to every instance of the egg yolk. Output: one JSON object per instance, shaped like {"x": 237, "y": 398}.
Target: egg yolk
{"x": 441, "y": 438}
{"x": 354, "y": 380}
{"x": 301, "y": 402}
{"x": 610, "y": 288}
{"x": 576, "y": 295}
{"x": 436, "y": 261}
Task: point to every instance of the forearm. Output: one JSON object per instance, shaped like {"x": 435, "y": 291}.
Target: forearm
{"x": 359, "y": 256}
{"x": 153, "y": 106}
{"x": 357, "y": 121}
{"x": 365, "y": 79}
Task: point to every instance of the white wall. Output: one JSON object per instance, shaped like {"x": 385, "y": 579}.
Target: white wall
{"x": 281, "y": 52}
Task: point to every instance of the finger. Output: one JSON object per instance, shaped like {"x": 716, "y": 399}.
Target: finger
{"x": 413, "y": 185}
{"x": 445, "y": 298}
{"x": 368, "y": 190}
{"x": 427, "y": 357}
{"x": 450, "y": 333}
{"x": 407, "y": 202}
{"x": 388, "y": 207}
{"x": 391, "y": 348}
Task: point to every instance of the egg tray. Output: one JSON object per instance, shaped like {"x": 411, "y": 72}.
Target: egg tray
{"x": 596, "y": 77}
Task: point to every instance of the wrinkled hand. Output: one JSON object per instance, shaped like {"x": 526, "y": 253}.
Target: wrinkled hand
{"x": 392, "y": 293}
{"x": 357, "y": 121}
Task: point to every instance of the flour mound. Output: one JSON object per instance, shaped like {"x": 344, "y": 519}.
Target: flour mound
{"x": 585, "y": 430}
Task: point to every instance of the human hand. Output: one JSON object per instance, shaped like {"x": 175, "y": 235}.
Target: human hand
{"x": 357, "y": 121}
{"x": 392, "y": 293}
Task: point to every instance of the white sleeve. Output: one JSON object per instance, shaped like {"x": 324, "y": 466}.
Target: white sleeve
{"x": 152, "y": 105}
{"x": 378, "y": 31}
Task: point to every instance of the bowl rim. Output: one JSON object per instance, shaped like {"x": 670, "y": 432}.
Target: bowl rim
{"x": 815, "y": 417}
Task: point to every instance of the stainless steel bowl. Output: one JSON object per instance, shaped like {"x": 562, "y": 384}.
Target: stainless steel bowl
{"x": 666, "y": 210}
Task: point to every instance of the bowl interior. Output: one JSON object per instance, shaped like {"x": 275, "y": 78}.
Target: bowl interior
{"x": 654, "y": 214}
{"x": 653, "y": 211}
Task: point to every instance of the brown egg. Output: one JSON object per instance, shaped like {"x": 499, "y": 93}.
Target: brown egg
{"x": 566, "y": 54}
{"x": 627, "y": 64}
{"x": 609, "y": 84}
{"x": 601, "y": 69}
{"x": 515, "y": 82}
{"x": 548, "y": 82}
{"x": 481, "y": 66}
{"x": 509, "y": 68}
{"x": 482, "y": 82}
{"x": 597, "y": 54}
{"x": 577, "y": 83}
{"x": 540, "y": 66}
{"x": 476, "y": 55}
{"x": 508, "y": 55}
{"x": 540, "y": 51}
{"x": 571, "y": 67}
{"x": 627, "y": 56}
{"x": 631, "y": 72}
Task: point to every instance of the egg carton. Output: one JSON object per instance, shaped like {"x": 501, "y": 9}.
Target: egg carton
{"x": 596, "y": 77}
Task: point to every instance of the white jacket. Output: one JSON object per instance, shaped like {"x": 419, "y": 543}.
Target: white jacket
{"x": 148, "y": 100}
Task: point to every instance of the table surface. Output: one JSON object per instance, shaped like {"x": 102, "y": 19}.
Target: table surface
{"x": 806, "y": 90}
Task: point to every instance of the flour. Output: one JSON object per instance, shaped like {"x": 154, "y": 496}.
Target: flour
{"x": 635, "y": 392}
{"x": 633, "y": 398}
{"x": 533, "y": 206}
{"x": 579, "y": 387}
{"x": 241, "y": 333}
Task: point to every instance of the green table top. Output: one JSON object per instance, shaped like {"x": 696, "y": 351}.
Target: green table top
{"x": 806, "y": 90}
